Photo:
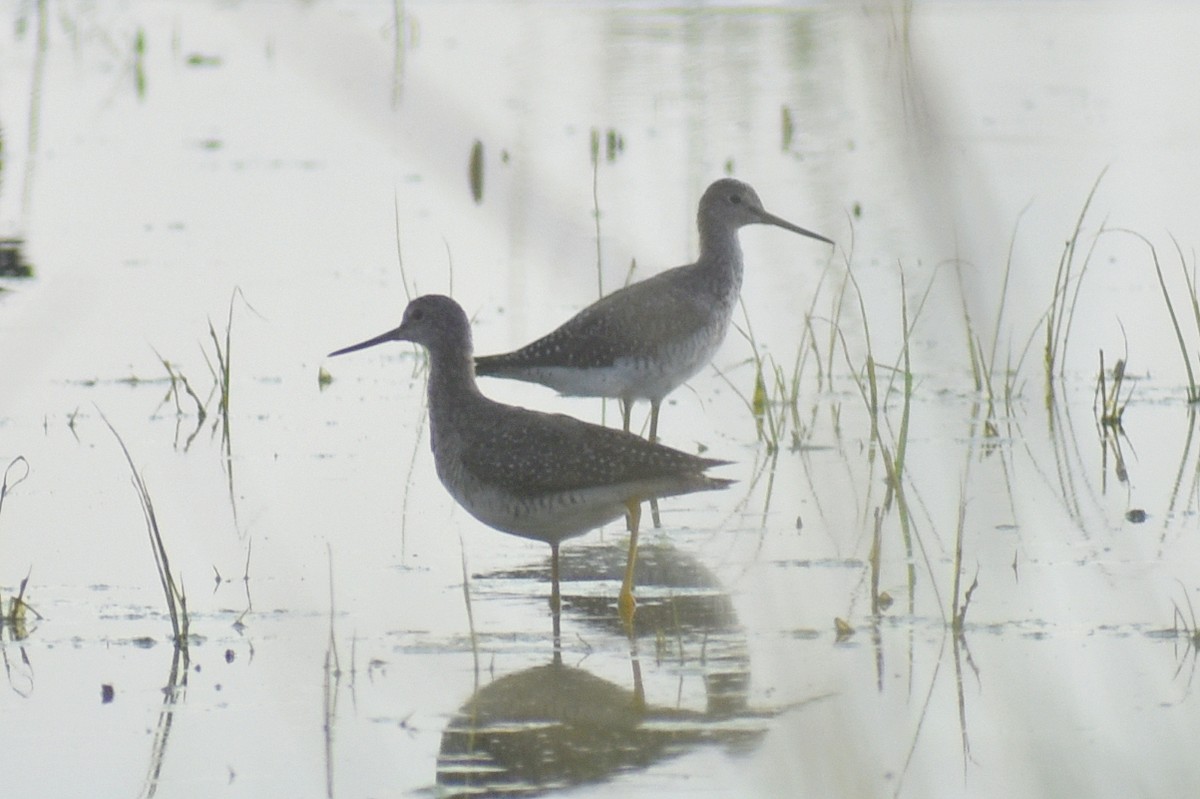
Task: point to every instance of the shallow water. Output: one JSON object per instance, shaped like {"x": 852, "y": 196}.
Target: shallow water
{"x": 314, "y": 159}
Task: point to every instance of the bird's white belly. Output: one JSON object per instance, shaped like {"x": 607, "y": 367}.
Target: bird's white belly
{"x": 549, "y": 518}
{"x": 641, "y": 377}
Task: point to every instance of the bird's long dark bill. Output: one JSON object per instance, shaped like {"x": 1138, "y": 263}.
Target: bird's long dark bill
{"x": 771, "y": 219}
{"x": 391, "y": 335}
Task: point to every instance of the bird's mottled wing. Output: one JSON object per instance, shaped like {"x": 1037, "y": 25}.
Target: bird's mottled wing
{"x": 627, "y": 321}
{"x": 531, "y": 453}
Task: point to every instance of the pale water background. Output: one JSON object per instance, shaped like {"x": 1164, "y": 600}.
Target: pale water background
{"x": 314, "y": 156}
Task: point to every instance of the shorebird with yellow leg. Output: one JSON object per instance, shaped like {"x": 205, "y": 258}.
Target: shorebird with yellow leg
{"x": 546, "y": 477}
{"x": 643, "y": 341}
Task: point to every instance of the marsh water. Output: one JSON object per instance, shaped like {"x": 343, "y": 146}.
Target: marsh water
{"x": 936, "y": 575}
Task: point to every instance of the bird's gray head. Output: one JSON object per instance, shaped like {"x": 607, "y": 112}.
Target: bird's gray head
{"x": 433, "y": 321}
{"x": 731, "y": 204}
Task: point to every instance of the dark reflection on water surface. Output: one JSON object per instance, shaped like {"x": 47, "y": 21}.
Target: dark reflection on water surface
{"x": 555, "y": 725}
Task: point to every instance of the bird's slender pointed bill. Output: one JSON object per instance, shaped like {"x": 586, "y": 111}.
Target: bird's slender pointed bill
{"x": 771, "y": 219}
{"x": 391, "y": 335}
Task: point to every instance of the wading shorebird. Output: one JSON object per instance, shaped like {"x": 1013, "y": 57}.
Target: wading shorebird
{"x": 542, "y": 476}
{"x": 643, "y": 341}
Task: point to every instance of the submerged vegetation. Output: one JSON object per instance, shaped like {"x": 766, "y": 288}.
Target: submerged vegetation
{"x": 182, "y": 394}
{"x": 1064, "y": 302}
{"x": 14, "y": 617}
{"x": 985, "y": 370}
{"x": 176, "y": 600}
{"x": 1110, "y": 400}
{"x": 12, "y": 258}
{"x": 1189, "y": 279}
{"x": 475, "y": 171}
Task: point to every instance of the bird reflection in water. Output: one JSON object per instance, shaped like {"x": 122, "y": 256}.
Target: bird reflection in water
{"x": 553, "y": 726}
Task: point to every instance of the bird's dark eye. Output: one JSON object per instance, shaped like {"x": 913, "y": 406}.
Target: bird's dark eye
{"x": 736, "y": 199}
{"x": 417, "y": 315}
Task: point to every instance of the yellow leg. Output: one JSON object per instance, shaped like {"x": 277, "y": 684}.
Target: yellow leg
{"x": 625, "y": 601}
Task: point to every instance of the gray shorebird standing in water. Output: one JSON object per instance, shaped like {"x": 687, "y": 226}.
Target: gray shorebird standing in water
{"x": 643, "y": 341}
{"x": 542, "y": 476}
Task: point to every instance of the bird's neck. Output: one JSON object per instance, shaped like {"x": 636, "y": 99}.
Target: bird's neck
{"x": 452, "y": 390}
{"x": 721, "y": 258}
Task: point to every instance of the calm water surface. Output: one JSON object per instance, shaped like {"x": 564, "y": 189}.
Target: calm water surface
{"x": 356, "y": 634}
